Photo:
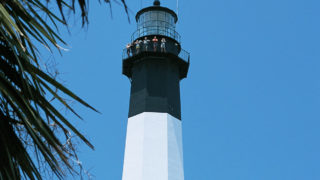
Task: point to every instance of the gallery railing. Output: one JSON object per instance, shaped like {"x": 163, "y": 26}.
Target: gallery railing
{"x": 133, "y": 51}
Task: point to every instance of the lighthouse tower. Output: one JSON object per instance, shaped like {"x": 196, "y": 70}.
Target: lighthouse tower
{"x": 155, "y": 63}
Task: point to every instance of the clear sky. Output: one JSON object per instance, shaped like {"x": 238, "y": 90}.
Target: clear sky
{"x": 250, "y": 104}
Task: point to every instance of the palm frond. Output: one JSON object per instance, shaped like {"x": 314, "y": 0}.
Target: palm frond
{"x": 26, "y": 113}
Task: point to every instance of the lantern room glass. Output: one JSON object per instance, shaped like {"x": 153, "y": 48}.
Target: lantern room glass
{"x": 156, "y": 23}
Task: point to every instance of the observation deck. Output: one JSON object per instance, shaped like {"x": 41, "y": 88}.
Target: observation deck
{"x": 172, "y": 51}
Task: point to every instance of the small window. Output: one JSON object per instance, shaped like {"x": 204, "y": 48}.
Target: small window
{"x": 161, "y": 16}
{"x": 147, "y": 16}
{"x": 153, "y": 15}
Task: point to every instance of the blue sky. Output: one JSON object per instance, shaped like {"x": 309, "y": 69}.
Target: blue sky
{"x": 250, "y": 104}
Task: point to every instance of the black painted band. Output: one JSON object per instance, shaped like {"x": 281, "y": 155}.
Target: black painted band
{"x": 155, "y": 86}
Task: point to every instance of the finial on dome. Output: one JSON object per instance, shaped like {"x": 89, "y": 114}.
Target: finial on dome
{"x": 156, "y": 3}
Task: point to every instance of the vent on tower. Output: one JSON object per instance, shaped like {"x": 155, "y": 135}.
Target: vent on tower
{"x": 156, "y": 3}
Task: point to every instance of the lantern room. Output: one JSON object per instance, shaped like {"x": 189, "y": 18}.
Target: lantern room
{"x": 156, "y": 20}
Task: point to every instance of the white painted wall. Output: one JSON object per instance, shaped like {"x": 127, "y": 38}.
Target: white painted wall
{"x": 153, "y": 148}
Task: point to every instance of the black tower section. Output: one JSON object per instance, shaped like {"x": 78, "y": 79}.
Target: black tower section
{"x": 155, "y": 68}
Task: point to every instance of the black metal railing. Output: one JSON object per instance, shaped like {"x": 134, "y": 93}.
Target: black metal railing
{"x": 184, "y": 55}
{"x": 156, "y": 30}
{"x": 133, "y": 51}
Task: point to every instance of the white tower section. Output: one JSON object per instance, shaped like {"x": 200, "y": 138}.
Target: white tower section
{"x": 153, "y": 148}
{"x": 155, "y": 64}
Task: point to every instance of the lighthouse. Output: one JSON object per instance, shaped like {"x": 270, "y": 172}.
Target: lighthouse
{"x": 155, "y": 64}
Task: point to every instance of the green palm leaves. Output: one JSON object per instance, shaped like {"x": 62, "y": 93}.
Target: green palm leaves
{"x": 27, "y": 118}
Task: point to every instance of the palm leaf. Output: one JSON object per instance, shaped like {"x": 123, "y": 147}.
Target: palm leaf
{"x": 26, "y": 113}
